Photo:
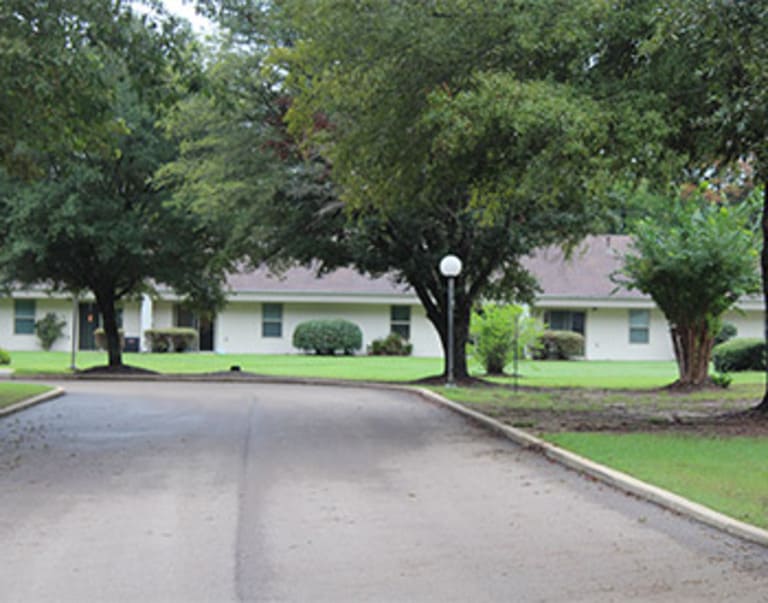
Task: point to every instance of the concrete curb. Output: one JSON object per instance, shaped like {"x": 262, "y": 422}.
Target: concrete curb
{"x": 24, "y": 404}
{"x": 611, "y": 477}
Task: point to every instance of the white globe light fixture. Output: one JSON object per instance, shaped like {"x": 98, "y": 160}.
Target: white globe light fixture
{"x": 450, "y": 268}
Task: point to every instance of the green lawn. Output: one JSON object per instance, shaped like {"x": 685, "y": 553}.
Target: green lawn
{"x": 584, "y": 374}
{"x": 729, "y": 475}
{"x": 611, "y": 374}
{"x": 11, "y": 393}
{"x": 376, "y": 368}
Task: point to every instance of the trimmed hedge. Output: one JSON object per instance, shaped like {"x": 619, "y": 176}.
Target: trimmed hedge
{"x": 5, "y": 357}
{"x": 100, "y": 338}
{"x": 173, "y": 339}
{"x": 392, "y": 345}
{"x": 326, "y": 337}
{"x": 746, "y": 354}
{"x": 559, "y": 345}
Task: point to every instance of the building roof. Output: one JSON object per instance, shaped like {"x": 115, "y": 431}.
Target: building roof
{"x": 343, "y": 281}
{"x": 586, "y": 273}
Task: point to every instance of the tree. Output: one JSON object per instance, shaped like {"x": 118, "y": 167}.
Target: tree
{"x": 458, "y": 127}
{"x": 97, "y": 222}
{"x": 704, "y": 65}
{"x": 695, "y": 259}
{"x": 55, "y": 94}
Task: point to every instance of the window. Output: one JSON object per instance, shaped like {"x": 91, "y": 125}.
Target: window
{"x": 565, "y": 320}
{"x": 185, "y": 317}
{"x": 400, "y": 321}
{"x": 272, "y": 320}
{"x": 24, "y": 316}
{"x": 639, "y": 326}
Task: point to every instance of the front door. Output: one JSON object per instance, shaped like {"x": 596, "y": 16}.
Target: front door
{"x": 205, "y": 331}
{"x": 88, "y": 323}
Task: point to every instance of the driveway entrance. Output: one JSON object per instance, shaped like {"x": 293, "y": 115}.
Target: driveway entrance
{"x": 227, "y": 492}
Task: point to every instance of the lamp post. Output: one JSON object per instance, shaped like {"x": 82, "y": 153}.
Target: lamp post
{"x": 450, "y": 268}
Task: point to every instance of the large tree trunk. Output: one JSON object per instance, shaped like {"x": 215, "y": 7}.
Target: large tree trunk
{"x": 763, "y": 406}
{"x": 693, "y": 348}
{"x": 460, "y": 337}
{"x": 436, "y": 307}
{"x": 106, "y": 303}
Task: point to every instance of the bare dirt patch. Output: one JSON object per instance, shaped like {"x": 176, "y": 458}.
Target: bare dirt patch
{"x": 710, "y": 412}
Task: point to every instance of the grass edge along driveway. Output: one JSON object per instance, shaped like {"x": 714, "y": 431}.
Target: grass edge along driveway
{"x": 728, "y": 475}
{"x": 13, "y": 393}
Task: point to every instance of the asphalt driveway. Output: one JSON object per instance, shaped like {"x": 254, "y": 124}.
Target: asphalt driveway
{"x": 226, "y": 492}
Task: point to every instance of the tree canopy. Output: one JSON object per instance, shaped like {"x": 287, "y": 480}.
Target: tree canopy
{"x": 468, "y": 128}
{"x": 695, "y": 259}
{"x": 95, "y": 220}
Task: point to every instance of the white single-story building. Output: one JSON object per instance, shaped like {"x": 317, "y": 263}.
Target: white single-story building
{"x": 260, "y": 316}
{"x": 263, "y": 310}
{"x": 617, "y": 324}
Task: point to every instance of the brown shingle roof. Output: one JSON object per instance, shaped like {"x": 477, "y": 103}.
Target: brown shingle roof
{"x": 304, "y": 280}
{"x": 586, "y": 274}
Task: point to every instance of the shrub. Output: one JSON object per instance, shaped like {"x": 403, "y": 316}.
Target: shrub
{"x": 497, "y": 331}
{"x": 559, "y": 345}
{"x": 100, "y": 338}
{"x": 727, "y": 332}
{"x": 48, "y": 329}
{"x": 745, "y": 354}
{"x": 392, "y": 345}
{"x": 326, "y": 337}
{"x": 5, "y": 357}
{"x": 171, "y": 339}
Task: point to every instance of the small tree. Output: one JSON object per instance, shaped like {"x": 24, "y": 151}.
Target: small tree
{"x": 48, "y": 329}
{"x": 695, "y": 260}
{"x": 497, "y": 331}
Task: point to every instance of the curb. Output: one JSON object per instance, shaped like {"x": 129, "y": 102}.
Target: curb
{"x": 24, "y": 404}
{"x": 616, "y": 479}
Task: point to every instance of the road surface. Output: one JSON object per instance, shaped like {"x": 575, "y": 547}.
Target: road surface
{"x": 234, "y": 492}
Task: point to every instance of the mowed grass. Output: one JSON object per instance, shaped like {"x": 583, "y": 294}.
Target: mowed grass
{"x": 608, "y": 374}
{"x": 729, "y": 475}
{"x": 544, "y": 374}
{"x": 367, "y": 368}
{"x": 11, "y": 393}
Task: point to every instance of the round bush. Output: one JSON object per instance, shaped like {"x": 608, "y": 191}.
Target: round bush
{"x": 326, "y": 337}
{"x": 392, "y": 345}
{"x": 559, "y": 345}
{"x": 745, "y": 354}
{"x": 5, "y": 357}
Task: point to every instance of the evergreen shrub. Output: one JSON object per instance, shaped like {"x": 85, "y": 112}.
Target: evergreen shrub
{"x": 742, "y": 354}
{"x": 559, "y": 345}
{"x": 100, "y": 338}
{"x": 326, "y": 337}
{"x": 171, "y": 339}
{"x": 48, "y": 329}
{"x": 391, "y": 345}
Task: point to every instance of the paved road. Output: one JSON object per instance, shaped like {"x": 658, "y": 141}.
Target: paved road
{"x": 202, "y": 492}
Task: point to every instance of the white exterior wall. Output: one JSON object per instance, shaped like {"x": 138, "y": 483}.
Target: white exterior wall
{"x": 238, "y": 326}
{"x": 29, "y": 343}
{"x": 607, "y": 336}
{"x": 63, "y": 308}
{"x": 748, "y": 323}
{"x": 162, "y": 315}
